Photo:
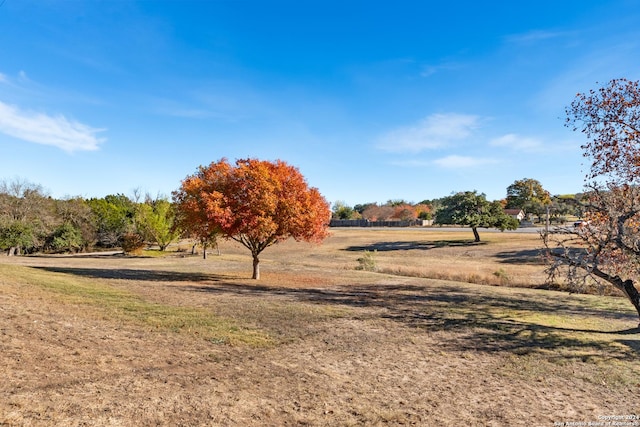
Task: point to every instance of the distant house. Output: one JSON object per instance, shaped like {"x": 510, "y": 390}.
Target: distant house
{"x": 515, "y": 213}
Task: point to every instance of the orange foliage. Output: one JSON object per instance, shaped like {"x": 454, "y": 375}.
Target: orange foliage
{"x": 404, "y": 212}
{"x": 378, "y": 213}
{"x": 421, "y": 207}
{"x": 257, "y": 203}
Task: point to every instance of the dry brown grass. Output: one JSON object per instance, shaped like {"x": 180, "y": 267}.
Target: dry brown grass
{"x": 176, "y": 340}
{"x": 512, "y": 259}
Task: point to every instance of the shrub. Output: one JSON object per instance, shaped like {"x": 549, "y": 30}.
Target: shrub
{"x": 502, "y": 275}
{"x": 66, "y": 238}
{"x": 368, "y": 261}
{"x": 132, "y": 243}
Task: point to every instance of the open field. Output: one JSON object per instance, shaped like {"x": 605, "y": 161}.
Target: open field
{"x": 178, "y": 340}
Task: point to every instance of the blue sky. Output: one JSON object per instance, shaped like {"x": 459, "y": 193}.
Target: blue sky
{"x": 370, "y": 100}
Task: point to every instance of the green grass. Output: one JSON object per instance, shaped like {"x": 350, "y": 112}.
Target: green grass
{"x": 156, "y": 253}
{"x": 128, "y": 306}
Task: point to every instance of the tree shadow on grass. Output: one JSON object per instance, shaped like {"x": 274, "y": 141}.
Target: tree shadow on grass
{"x": 409, "y": 245}
{"x": 477, "y": 321}
{"x": 525, "y": 256}
{"x": 137, "y": 274}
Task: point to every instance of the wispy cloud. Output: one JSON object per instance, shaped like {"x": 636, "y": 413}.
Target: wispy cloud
{"x": 535, "y": 36}
{"x": 227, "y": 101}
{"x": 435, "y": 131}
{"x": 14, "y": 81}
{"x": 58, "y": 131}
{"x": 414, "y": 163}
{"x": 184, "y": 112}
{"x": 457, "y": 162}
{"x": 429, "y": 70}
{"x": 517, "y": 142}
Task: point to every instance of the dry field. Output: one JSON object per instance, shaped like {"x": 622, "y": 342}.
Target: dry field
{"x": 181, "y": 341}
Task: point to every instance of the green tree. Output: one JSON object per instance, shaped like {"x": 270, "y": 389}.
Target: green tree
{"x": 156, "y": 221}
{"x": 67, "y": 238}
{"x": 27, "y": 216}
{"x": 529, "y": 195}
{"x": 340, "y": 210}
{"x": 471, "y": 209}
{"x": 564, "y": 205}
{"x": 77, "y": 212}
{"x": 396, "y": 202}
{"x": 433, "y": 205}
{"x": 17, "y": 236}
{"x": 113, "y": 217}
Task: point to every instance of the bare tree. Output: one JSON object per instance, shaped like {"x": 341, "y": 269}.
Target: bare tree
{"x": 605, "y": 250}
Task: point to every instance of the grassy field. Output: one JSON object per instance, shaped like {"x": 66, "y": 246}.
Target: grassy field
{"x": 435, "y": 330}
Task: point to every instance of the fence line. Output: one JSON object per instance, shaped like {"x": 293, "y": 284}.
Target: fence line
{"x": 367, "y": 223}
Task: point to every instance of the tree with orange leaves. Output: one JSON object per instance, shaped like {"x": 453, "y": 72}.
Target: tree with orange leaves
{"x": 404, "y": 212}
{"x": 254, "y": 202}
{"x": 606, "y": 251}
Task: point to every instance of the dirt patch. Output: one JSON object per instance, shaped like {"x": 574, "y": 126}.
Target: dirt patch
{"x": 349, "y": 348}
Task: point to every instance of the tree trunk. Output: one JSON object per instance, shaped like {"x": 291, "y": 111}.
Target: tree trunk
{"x": 632, "y": 293}
{"x": 204, "y": 251}
{"x": 256, "y": 268}
{"x": 475, "y": 234}
{"x": 626, "y": 286}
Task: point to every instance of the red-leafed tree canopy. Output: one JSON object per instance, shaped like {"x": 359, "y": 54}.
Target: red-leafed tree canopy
{"x": 610, "y": 119}
{"x": 255, "y": 202}
{"x": 606, "y": 250}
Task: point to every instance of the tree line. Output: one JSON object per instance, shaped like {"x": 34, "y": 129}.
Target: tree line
{"x": 257, "y": 203}
{"x": 472, "y": 209}
{"x": 32, "y": 221}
